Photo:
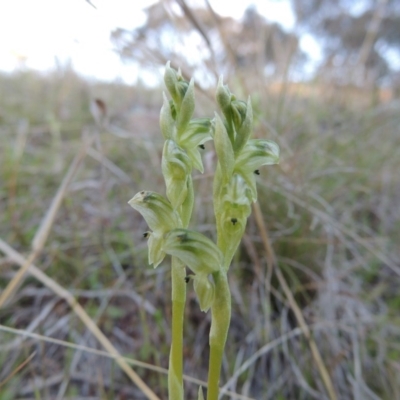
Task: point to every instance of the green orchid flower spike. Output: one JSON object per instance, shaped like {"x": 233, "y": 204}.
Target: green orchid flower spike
{"x": 234, "y": 191}
{"x": 183, "y": 137}
{"x": 239, "y": 159}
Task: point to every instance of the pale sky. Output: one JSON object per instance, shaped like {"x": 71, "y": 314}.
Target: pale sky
{"x": 39, "y": 32}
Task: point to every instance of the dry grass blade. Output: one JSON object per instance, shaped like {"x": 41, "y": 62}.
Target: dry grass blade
{"x": 16, "y": 370}
{"x": 272, "y": 264}
{"x": 112, "y": 356}
{"x": 80, "y": 347}
{"x": 264, "y": 350}
{"x": 81, "y": 313}
{"x": 43, "y": 232}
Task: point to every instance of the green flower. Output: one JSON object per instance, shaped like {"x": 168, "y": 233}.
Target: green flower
{"x": 223, "y": 148}
{"x": 239, "y": 111}
{"x": 183, "y": 137}
{"x": 235, "y": 205}
{"x": 243, "y": 121}
{"x": 196, "y": 134}
{"x": 224, "y": 98}
{"x": 234, "y": 209}
{"x": 238, "y": 116}
{"x": 255, "y": 153}
{"x": 155, "y": 243}
{"x": 167, "y": 119}
{"x": 204, "y": 288}
{"x": 239, "y": 158}
{"x": 182, "y": 93}
{"x": 160, "y": 217}
{"x": 194, "y": 249}
{"x": 176, "y": 168}
{"x": 201, "y": 255}
{"x": 186, "y": 109}
{"x": 176, "y": 85}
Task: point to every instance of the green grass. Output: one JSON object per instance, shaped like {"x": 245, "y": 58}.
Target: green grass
{"x": 331, "y": 208}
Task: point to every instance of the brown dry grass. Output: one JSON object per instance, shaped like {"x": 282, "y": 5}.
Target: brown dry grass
{"x": 332, "y": 217}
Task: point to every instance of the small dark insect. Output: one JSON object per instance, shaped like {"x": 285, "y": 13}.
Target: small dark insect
{"x": 234, "y": 221}
{"x": 183, "y": 237}
{"x": 187, "y": 279}
{"x": 146, "y": 234}
{"x": 257, "y": 172}
{"x": 202, "y": 146}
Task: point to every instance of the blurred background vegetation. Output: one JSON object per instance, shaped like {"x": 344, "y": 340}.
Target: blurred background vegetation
{"x": 331, "y": 208}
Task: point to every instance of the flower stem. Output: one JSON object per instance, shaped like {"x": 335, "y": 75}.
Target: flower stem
{"x": 221, "y": 316}
{"x": 175, "y": 370}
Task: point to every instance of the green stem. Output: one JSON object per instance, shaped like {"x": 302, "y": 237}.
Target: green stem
{"x": 221, "y": 316}
{"x": 175, "y": 370}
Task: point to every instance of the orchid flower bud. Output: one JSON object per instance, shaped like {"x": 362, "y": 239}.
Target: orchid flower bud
{"x": 224, "y": 97}
{"x": 239, "y": 110}
{"x": 176, "y": 167}
{"x": 177, "y": 87}
{"x": 187, "y": 206}
{"x": 223, "y": 148}
{"x": 205, "y": 291}
{"x": 171, "y": 79}
{"x": 245, "y": 129}
{"x": 194, "y": 249}
{"x": 156, "y": 210}
{"x": 224, "y": 100}
{"x": 155, "y": 244}
{"x": 181, "y": 85}
{"x": 167, "y": 123}
{"x": 186, "y": 109}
